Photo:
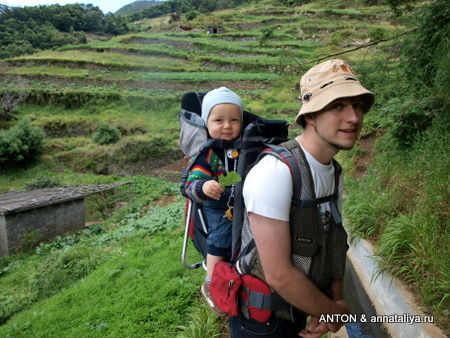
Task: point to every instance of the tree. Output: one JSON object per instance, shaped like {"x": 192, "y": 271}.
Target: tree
{"x": 10, "y": 100}
{"x": 21, "y": 143}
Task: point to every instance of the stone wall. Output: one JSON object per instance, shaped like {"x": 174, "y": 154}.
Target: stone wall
{"x": 28, "y": 227}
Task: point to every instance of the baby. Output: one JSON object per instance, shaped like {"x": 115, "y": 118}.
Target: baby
{"x": 222, "y": 113}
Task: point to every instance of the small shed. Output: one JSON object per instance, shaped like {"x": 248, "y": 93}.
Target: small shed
{"x": 214, "y": 30}
{"x": 42, "y": 214}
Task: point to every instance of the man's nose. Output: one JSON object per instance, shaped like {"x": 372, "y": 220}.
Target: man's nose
{"x": 351, "y": 114}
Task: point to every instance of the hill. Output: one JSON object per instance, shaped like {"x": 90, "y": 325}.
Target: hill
{"x": 397, "y": 174}
{"x": 136, "y": 6}
{"x": 28, "y": 29}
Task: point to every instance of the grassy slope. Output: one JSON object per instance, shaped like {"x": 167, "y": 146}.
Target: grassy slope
{"x": 259, "y": 56}
{"x": 142, "y": 290}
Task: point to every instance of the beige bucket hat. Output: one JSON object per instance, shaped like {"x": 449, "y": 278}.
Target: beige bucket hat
{"x": 328, "y": 81}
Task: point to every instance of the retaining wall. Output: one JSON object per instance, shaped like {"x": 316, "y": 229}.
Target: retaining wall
{"x": 26, "y": 227}
{"x": 389, "y": 296}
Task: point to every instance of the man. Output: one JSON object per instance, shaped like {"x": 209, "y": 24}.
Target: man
{"x": 305, "y": 269}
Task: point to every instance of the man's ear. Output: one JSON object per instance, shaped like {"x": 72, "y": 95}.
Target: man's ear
{"x": 309, "y": 118}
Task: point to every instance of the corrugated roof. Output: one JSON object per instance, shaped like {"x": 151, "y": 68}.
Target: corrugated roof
{"x": 25, "y": 200}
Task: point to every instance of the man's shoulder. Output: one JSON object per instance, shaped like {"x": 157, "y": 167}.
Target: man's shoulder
{"x": 269, "y": 166}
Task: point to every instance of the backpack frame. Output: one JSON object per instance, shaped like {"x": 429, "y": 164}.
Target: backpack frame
{"x": 257, "y": 134}
{"x": 259, "y": 137}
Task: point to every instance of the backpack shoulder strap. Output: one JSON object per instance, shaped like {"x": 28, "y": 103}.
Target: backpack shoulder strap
{"x": 337, "y": 175}
{"x": 285, "y": 155}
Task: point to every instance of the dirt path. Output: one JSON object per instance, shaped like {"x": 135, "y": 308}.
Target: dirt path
{"x": 362, "y": 163}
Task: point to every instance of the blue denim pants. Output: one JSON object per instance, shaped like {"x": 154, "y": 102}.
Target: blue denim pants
{"x": 241, "y": 327}
{"x": 219, "y": 231}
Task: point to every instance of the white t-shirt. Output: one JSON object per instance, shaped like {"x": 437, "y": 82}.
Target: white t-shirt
{"x": 268, "y": 187}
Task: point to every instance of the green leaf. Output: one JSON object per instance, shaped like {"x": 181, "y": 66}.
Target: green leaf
{"x": 231, "y": 178}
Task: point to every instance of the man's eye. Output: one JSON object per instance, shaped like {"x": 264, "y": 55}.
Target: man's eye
{"x": 358, "y": 105}
{"x": 337, "y": 106}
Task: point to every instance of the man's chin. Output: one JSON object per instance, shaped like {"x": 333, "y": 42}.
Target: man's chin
{"x": 343, "y": 146}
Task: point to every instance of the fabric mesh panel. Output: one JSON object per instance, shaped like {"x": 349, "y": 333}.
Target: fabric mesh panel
{"x": 192, "y": 133}
{"x": 302, "y": 263}
{"x": 246, "y": 238}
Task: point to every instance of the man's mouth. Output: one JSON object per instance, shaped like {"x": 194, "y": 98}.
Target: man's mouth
{"x": 349, "y": 131}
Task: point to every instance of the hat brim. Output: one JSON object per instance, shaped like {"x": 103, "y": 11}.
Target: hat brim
{"x": 321, "y": 100}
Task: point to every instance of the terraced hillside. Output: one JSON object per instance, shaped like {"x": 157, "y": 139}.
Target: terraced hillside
{"x": 135, "y": 81}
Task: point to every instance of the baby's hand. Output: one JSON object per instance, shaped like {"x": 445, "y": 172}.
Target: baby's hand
{"x": 212, "y": 189}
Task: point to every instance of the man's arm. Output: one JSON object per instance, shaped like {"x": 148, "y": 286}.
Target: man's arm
{"x": 272, "y": 238}
{"x": 337, "y": 287}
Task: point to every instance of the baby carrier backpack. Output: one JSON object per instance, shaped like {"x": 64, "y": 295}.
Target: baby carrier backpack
{"x": 239, "y": 290}
{"x": 257, "y": 134}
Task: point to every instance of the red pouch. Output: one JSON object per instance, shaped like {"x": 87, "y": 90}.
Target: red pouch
{"x": 255, "y": 284}
{"x": 224, "y": 288}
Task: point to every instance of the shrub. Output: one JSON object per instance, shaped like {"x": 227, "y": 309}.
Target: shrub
{"x": 106, "y": 134}
{"x": 191, "y": 15}
{"x": 42, "y": 182}
{"x": 139, "y": 148}
{"x": 377, "y": 33}
{"x": 426, "y": 60}
{"x": 56, "y": 125}
{"x": 21, "y": 143}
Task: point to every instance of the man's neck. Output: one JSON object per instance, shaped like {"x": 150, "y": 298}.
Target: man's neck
{"x": 316, "y": 147}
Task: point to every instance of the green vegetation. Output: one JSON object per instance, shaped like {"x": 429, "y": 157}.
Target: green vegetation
{"x": 135, "y": 6}
{"x": 113, "y": 269}
{"x": 25, "y": 30}
{"x": 184, "y": 6}
{"x": 106, "y": 134}
{"x": 21, "y": 143}
{"x": 402, "y": 201}
{"x": 106, "y": 279}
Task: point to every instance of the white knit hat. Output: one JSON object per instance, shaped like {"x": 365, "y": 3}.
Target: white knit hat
{"x": 218, "y": 96}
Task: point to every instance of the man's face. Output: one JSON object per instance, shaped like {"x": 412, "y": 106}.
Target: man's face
{"x": 340, "y": 122}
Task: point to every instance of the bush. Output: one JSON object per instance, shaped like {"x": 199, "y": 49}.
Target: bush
{"x": 191, "y": 15}
{"x": 21, "y": 143}
{"x": 106, "y": 134}
{"x": 137, "y": 148}
{"x": 42, "y": 182}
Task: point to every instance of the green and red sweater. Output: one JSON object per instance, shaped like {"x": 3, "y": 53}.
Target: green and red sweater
{"x": 207, "y": 165}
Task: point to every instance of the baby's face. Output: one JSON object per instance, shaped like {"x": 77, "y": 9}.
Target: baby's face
{"x": 224, "y": 122}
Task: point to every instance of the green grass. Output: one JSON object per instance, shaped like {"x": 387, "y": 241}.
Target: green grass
{"x": 401, "y": 203}
{"x": 85, "y": 58}
{"x": 142, "y": 290}
{"x": 121, "y": 278}
{"x": 104, "y": 75}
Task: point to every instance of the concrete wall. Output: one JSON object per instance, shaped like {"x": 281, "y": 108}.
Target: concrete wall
{"x": 389, "y": 296}
{"x": 41, "y": 223}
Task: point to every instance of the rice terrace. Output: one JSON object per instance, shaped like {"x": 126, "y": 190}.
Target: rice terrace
{"x": 100, "y": 106}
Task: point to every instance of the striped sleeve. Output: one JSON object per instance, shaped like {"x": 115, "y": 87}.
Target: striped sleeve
{"x": 206, "y": 166}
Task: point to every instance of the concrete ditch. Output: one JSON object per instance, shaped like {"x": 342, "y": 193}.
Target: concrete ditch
{"x": 394, "y": 305}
